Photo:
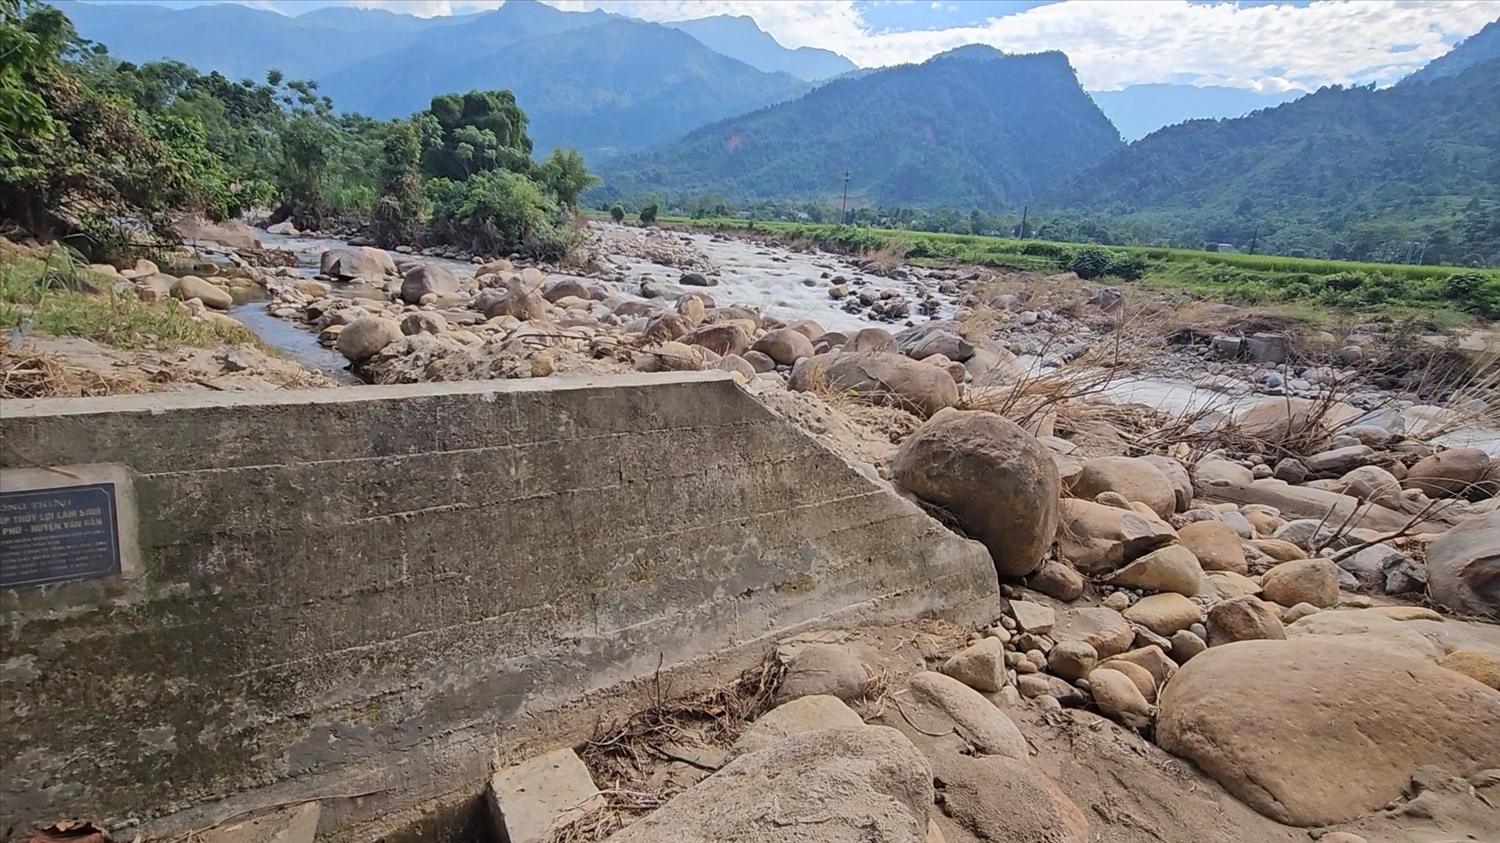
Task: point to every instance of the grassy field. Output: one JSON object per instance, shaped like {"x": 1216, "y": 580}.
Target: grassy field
{"x": 1233, "y": 277}
{"x": 57, "y": 296}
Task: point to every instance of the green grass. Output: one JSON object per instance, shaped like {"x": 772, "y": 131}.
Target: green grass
{"x": 64, "y": 299}
{"x": 1442, "y": 291}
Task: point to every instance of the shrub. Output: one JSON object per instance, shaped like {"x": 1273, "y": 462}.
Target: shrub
{"x": 648, "y": 212}
{"x": 1090, "y": 262}
{"x": 617, "y": 213}
{"x": 1044, "y": 250}
{"x": 1472, "y": 292}
{"x": 1127, "y": 266}
{"x": 497, "y": 212}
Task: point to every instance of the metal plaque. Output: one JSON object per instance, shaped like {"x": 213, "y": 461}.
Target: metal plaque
{"x": 58, "y": 534}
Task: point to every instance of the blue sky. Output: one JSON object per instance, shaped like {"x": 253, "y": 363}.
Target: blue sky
{"x": 1262, "y": 45}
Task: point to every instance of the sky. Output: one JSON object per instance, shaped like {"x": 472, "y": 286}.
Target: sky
{"x": 1265, "y": 46}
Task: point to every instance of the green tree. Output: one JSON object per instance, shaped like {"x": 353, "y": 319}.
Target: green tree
{"x": 648, "y": 211}
{"x": 565, "y": 174}
{"x": 498, "y": 212}
{"x": 474, "y": 133}
{"x": 399, "y": 211}
{"x": 617, "y": 213}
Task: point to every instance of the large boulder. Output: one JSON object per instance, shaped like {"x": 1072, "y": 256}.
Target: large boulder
{"x": 427, "y": 278}
{"x": 1243, "y": 618}
{"x": 992, "y": 476}
{"x": 1314, "y": 732}
{"x": 1454, "y": 473}
{"x": 804, "y": 714}
{"x": 1176, "y": 474}
{"x": 784, "y": 345}
{"x": 832, "y": 786}
{"x": 1278, "y": 419}
{"x": 938, "y": 697}
{"x": 1164, "y": 613}
{"x": 936, "y": 337}
{"x": 1171, "y": 568}
{"x": 1463, "y": 566}
{"x": 1313, "y": 581}
{"x": 880, "y": 378}
{"x": 366, "y": 336}
{"x": 353, "y": 264}
{"x": 1216, "y": 544}
{"x": 722, "y": 339}
{"x": 1104, "y": 629}
{"x": 1002, "y": 799}
{"x": 516, "y": 300}
{"x": 1371, "y": 483}
{"x": 193, "y": 287}
{"x": 1098, "y": 539}
{"x": 1136, "y": 480}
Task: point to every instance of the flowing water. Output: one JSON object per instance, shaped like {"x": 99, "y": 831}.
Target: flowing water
{"x": 784, "y": 284}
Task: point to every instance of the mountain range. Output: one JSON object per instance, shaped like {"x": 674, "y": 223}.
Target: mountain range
{"x": 972, "y": 127}
{"x": 388, "y": 65}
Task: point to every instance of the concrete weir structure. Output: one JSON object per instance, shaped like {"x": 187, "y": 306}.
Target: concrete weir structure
{"x": 366, "y": 595}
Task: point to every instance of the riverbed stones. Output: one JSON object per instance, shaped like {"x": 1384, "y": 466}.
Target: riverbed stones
{"x": 366, "y": 336}
{"x": 720, "y": 338}
{"x": 1186, "y": 644}
{"x": 980, "y": 665}
{"x": 784, "y": 345}
{"x": 427, "y": 278}
{"x": 1003, "y": 800}
{"x": 1177, "y": 475}
{"x": 1245, "y": 618}
{"x": 1164, "y": 613}
{"x": 1371, "y": 483}
{"x": 423, "y": 322}
{"x": 878, "y": 378}
{"x": 1215, "y": 544}
{"x": 1451, "y": 473}
{"x": 1033, "y": 617}
{"x": 1136, "y": 480}
{"x": 1482, "y": 666}
{"x": 1314, "y": 581}
{"x": 991, "y": 732}
{"x": 193, "y": 287}
{"x": 1319, "y": 732}
{"x": 1172, "y": 568}
{"x": 991, "y": 475}
{"x": 1097, "y": 539}
{"x": 1281, "y": 418}
{"x": 1117, "y": 696}
{"x": 826, "y": 669}
{"x": 804, "y": 714}
{"x": 1057, "y": 580}
{"x": 1463, "y": 566}
{"x": 1106, "y": 630}
{"x": 1072, "y": 660}
{"x": 352, "y": 264}
{"x": 1338, "y": 460}
{"x": 829, "y": 786}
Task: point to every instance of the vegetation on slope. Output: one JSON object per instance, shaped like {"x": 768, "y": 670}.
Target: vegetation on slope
{"x": 1344, "y": 173}
{"x": 972, "y": 127}
{"x": 104, "y": 153}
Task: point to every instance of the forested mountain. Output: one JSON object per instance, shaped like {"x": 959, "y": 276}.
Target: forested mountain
{"x": 616, "y": 86}
{"x": 1478, "y": 48}
{"x": 972, "y": 128}
{"x": 1345, "y": 172}
{"x": 1139, "y": 110}
{"x": 593, "y": 80}
{"x": 740, "y": 38}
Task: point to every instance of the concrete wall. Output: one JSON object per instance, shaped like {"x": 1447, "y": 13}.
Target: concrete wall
{"x": 372, "y": 590}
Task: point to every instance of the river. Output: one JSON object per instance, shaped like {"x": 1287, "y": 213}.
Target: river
{"x": 771, "y": 278}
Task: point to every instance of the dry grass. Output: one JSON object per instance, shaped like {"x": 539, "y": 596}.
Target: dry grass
{"x": 28, "y": 374}
{"x": 622, "y": 756}
{"x": 886, "y": 259}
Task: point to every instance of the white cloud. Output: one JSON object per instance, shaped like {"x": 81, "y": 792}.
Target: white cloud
{"x": 1112, "y": 43}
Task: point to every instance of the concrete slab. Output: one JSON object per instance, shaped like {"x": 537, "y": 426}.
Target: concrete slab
{"x": 529, "y": 800}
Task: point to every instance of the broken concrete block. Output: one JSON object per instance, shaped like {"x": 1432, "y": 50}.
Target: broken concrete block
{"x": 530, "y": 799}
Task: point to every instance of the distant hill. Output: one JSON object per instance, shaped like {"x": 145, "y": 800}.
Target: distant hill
{"x": 740, "y": 38}
{"x": 1139, "y": 110}
{"x": 1344, "y": 171}
{"x": 594, "y": 80}
{"x": 1478, "y": 48}
{"x": 972, "y": 128}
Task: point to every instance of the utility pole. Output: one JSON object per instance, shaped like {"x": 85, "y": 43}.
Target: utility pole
{"x": 1423, "y": 254}
{"x": 1255, "y": 236}
{"x": 844, "y": 207}
{"x": 1024, "y": 209}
